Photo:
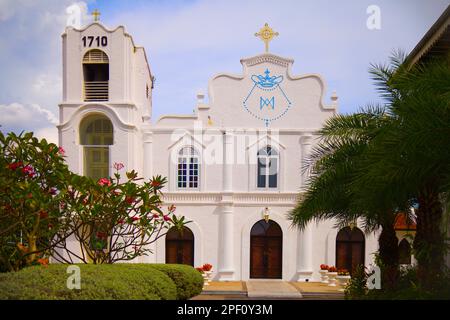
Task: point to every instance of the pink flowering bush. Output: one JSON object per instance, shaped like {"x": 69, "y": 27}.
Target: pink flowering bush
{"x": 43, "y": 204}
{"x": 33, "y": 183}
{"x": 116, "y": 219}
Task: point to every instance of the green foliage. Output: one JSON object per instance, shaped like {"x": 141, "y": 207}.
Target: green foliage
{"x": 382, "y": 160}
{"x": 408, "y": 288}
{"x": 42, "y": 203}
{"x": 356, "y": 287}
{"x": 33, "y": 184}
{"x": 115, "y": 281}
{"x": 114, "y": 219}
{"x": 189, "y": 281}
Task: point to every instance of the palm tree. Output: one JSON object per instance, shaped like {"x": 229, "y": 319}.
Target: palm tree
{"x": 336, "y": 165}
{"x": 377, "y": 162}
{"x": 412, "y": 156}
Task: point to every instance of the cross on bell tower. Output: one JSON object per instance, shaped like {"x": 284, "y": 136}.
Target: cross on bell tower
{"x": 96, "y": 15}
{"x": 266, "y": 34}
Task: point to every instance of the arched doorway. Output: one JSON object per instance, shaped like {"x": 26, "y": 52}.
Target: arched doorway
{"x": 350, "y": 249}
{"x": 266, "y": 250}
{"x": 96, "y": 137}
{"x": 180, "y": 246}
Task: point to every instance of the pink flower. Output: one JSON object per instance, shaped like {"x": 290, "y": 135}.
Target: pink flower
{"x": 28, "y": 170}
{"x": 53, "y": 191}
{"x": 167, "y": 218}
{"x": 118, "y": 166}
{"x": 172, "y": 208}
{"x": 61, "y": 151}
{"x": 104, "y": 181}
{"x": 155, "y": 216}
{"x": 135, "y": 218}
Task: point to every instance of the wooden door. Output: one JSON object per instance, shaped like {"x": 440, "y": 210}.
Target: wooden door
{"x": 266, "y": 250}
{"x": 180, "y": 246}
{"x": 350, "y": 249}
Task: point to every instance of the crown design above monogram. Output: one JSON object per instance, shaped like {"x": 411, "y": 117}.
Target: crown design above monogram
{"x": 266, "y": 81}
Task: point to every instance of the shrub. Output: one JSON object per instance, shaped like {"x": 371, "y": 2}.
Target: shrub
{"x": 33, "y": 184}
{"x": 356, "y": 287}
{"x": 98, "y": 282}
{"x": 189, "y": 282}
{"x": 408, "y": 288}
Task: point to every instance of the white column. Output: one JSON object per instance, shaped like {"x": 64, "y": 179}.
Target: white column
{"x": 226, "y": 239}
{"x": 147, "y": 174}
{"x": 148, "y": 159}
{"x": 305, "y": 236}
{"x": 228, "y": 157}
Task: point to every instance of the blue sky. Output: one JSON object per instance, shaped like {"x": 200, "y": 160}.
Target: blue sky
{"x": 187, "y": 42}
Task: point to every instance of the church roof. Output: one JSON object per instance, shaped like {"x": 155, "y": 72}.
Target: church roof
{"x": 435, "y": 42}
{"x": 404, "y": 224}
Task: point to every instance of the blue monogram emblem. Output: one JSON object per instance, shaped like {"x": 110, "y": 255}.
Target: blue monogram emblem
{"x": 270, "y": 91}
{"x": 266, "y": 102}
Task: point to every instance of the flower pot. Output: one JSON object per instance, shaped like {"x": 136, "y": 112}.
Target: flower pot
{"x": 332, "y": 279}
{"x": 205, "y": 279}
{"x": 208, "y": 275}
{"x": 323, "y": 276}
{"x": 342, "y": 281}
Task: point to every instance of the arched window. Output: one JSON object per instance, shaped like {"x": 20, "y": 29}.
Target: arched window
{"x": 404, "y": 252}
{"x": 268, "y": 165}
{"x": 96, "y": 135}
{"x": 95, "y": 75}
{"x": 350, "y": 249}
{"x": 188, "y": 168}
{"x": 180, "y": 246}
{"x": 266, "y": 250}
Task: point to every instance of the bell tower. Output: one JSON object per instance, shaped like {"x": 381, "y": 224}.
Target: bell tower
{"x": 106, "y": 101}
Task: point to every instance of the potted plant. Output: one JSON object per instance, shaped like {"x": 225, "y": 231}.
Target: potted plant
{"x": 204, "y": 275}
{"x": 207, "y": 269}
{"x": 343, "y": 278}
{"x": 323, "y": 273}
{"x": 332, "y": 274}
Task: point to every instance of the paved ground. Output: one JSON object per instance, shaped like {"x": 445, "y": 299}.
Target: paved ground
{"x": 268, "y": 289}
{"x": 272, "y": 289}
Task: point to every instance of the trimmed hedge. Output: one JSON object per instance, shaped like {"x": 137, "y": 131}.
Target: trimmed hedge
{"x": 117, "y": 281}
{"x": 189, "y": 281}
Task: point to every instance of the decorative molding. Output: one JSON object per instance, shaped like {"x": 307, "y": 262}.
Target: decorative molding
{"x": 259, "y": 199}
{"x": 175, "y": 116}
{"x": 268, "y": 139}
{"x": 184, "y": 137}
{"x": 267, "y": 57}
{"x": 92, "y": 108}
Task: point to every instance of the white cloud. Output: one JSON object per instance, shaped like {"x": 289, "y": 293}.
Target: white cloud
{"x": 49, "y": 133}
{"x": 32, "y": 117}
{"x": 47, "y": 84}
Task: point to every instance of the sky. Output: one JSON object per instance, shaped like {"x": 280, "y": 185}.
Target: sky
{"x": 188, "y": 42}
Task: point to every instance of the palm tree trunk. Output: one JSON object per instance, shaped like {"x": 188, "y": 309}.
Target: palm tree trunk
{"x": 389, "y": 255}
{"x": 429, "y": 240}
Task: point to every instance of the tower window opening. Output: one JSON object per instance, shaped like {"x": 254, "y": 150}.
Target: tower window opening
{"x": 96, "y": 76}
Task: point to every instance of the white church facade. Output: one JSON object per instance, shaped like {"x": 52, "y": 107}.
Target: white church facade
{"x": 234, "y": 166}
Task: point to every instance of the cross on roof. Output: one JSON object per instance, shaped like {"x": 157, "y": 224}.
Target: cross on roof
{"x": 266, "y": 34}
{"x": 96, "y": 15}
